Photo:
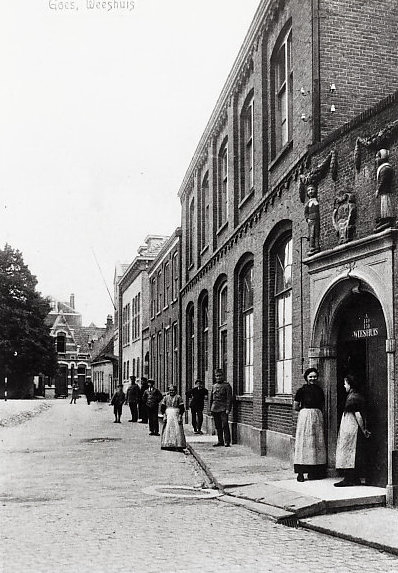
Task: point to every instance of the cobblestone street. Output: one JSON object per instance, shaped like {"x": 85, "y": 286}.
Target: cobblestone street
{"x": 73, "y": 500}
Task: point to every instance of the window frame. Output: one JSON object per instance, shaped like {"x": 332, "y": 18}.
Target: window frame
{"x": 282, "y": 300}
{"x": 282, "y": 90}
{"x": 223, "y": 196}
{"x": 247, "y": 147}
{"x": 246, "y": 323}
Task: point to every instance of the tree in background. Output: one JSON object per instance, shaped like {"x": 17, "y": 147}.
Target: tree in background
{"x": 26, "y": 347}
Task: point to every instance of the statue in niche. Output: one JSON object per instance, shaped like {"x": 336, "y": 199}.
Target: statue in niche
{"x": 312, "y": 216}
{"x": 384, "y": 191}
{"x": 344, "y": 216}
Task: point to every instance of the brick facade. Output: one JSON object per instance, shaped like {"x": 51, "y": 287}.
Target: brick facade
{"x": 331, "y": 43}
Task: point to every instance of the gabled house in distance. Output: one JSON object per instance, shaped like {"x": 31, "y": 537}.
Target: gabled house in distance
{"x": 74, "y": 344}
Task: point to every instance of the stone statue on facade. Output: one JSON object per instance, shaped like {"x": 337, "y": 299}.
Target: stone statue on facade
{"x": 344, "y": 216}
{"x": 384, "y": 191}
{"x": 312, "y": 216}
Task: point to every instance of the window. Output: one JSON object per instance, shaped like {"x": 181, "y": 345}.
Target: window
{"x": 135, "y": 319}
{"x": 159, "y": 304}
{"x": 166, "y": 284}
{"x": 126, "y": 324}
{"x": 204, "y": 339}
{"x": 61, "y": 343}
{"x": 166, "y": 357}
{"x": 175, "y": 354}
{"x": 81, "y": 375}
{"x": 246, "y": 329}
{"x": 222, "y": 328}
{"x": 190, "y": 346}
{"x": 205, "y": 212}
{"x": 191, "y": 230}
{"x": 153, "y": 297}
{"x": 283, "y": 317}
{"x": 223, "y": 185}
{"x": 247, "y": 123}
{"x": 175, "y": 276}
{"x": 159, "y": 359}
{"x": 282, "y": 77}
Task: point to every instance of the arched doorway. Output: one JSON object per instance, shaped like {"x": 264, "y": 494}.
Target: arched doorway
{"x": 349, "y": 336}
{"x": 361, "y": 351}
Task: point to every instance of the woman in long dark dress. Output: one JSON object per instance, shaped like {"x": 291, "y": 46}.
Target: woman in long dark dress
{"x": 310, "y": 451}
{"x": 351, "y": 446}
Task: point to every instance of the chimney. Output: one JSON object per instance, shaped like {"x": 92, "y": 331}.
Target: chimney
{"x": 72, "y": 301}
{"x": 109, "y": 322}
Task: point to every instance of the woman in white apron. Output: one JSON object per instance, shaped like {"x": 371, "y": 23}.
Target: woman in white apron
{"x": 310, "y": 451}
{"x": 351, "y": 447}
{"x": 172, "y": 408}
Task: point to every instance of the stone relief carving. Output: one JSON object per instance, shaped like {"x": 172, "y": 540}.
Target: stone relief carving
{"x": 312, "y": 216}
{"x": 344, "y": 216}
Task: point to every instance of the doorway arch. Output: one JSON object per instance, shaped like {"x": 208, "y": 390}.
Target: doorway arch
{"x": 349, "y": 336}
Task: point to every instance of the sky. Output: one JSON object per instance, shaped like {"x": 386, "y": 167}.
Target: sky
{"x": 102, "y": 107}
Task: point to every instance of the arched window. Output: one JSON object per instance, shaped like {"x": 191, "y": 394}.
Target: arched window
{"x": 159, "y": 304}
{"x": 204, "y": 337}
{"x": 282, "y": 92}
{"x": 61, "y": 343}
{"x": 247, "y": 148}
{"x": 175, "y": 281}
{"x": 223, "y": 184}
{"x": 190, "y": 345}
{"x": 283, "y": 316}
{"x": 204, "y": 212}
{"x": 222, "y": 313}
{"x": 246, "y": 328}
{"x": 166, "y": 284}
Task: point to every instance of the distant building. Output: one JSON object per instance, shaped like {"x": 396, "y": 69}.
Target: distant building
{"x": 131, "y": 316}
{"x": 74, "y": 344}
{"x": 164, "y": 314}
{"x": 104, "y": 363}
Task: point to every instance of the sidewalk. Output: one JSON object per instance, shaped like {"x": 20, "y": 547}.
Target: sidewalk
{"x": 268, "y": 486}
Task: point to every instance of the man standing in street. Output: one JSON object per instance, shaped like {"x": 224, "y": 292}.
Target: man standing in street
{"x": 152, "y": 397}
{"x": 220, "y": 407}
{"x": 89, "y": 391}
{"x": 197, "y": 404}
{"x": 132, "y": 398}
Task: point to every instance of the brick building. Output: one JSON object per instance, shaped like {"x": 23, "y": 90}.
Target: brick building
{"x": 74, "y": 344}
{"x": 310, "y": 100}
{"x": 164, "y": 314}
{"x": 131, "y": 316}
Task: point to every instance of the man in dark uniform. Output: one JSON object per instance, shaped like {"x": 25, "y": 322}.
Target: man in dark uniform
{"x": 197, "y": 404}
{"x": 152, "y": 397}
{"x": 132, "y": 398}
{"x": 220, "y": 407}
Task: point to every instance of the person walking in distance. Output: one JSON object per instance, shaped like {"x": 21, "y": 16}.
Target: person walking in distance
{"x": 220, "y": 407}
{"x": 75, "y": 393}
{"x": 89, "y": 391}
{"x": 197, "y": 395}
{"x": 152, "y": 396}
{"x": 142, "y": 413}
{"x": 132, "y": 398}
{"x": 118, "y": 399}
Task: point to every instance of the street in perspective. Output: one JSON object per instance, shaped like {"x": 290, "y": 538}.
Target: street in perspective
{"x": 81, "y": 494}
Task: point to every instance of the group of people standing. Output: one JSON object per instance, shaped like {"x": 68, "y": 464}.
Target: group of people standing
{"x": 144, "y": 402}
{"x": 310, "y": 449}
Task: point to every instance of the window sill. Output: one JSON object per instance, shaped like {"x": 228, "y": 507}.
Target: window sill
{"x": 246, "y": 198}
{"x": 244, "y": 398}
{"x": 280, "y": 155}
{"x": 279, "y": 400}
{"x": 221, "y": 229}
{"x": 190, "y": 267}
{"x": 203, "y": 251}
{"x": 165, "y": 307}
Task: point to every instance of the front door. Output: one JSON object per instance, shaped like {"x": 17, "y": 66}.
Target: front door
{"x": 61, "y": 381}
{"x": 361, "y": 351}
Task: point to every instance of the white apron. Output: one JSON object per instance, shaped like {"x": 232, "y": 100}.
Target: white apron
{"x": 310, "y": 447}
{"x": 172, "y": 432}
{"x": 347, "y": 442}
